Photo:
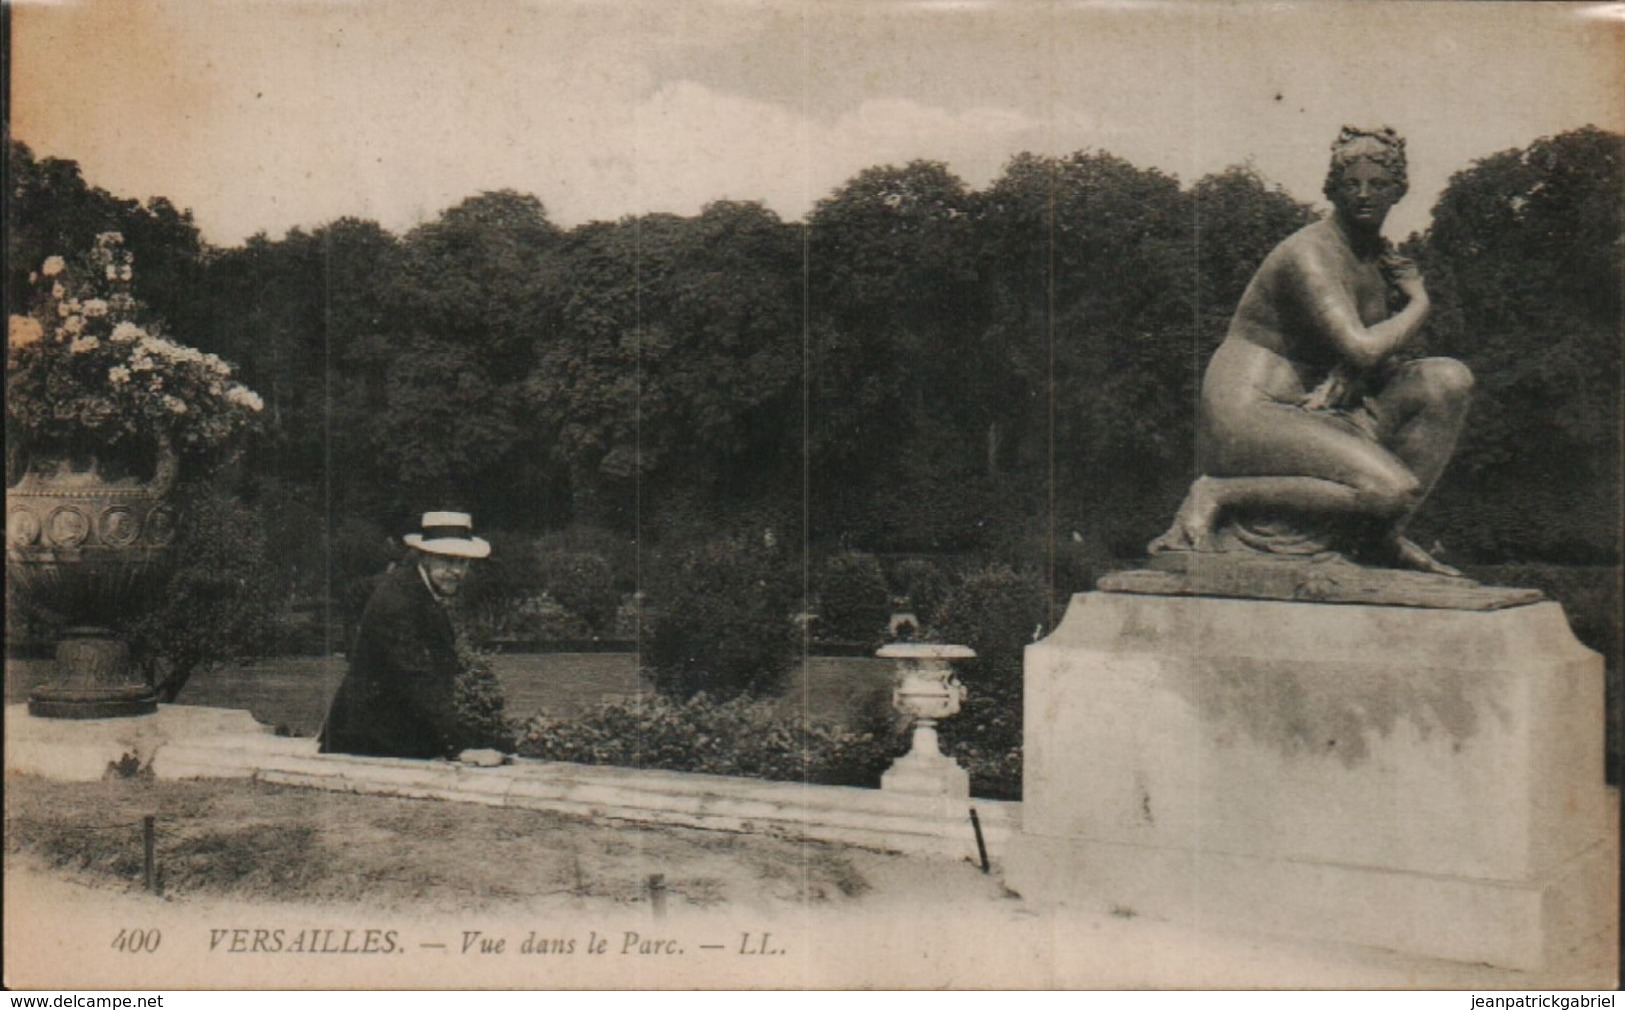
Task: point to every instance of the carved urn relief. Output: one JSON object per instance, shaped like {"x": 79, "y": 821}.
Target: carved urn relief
{"x": 82, "y": 545}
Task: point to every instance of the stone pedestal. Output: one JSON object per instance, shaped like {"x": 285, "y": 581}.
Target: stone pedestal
{"x": 1424, "y": 780}
{"x": 88, "y": 750}
{"x": 926, "y": 775}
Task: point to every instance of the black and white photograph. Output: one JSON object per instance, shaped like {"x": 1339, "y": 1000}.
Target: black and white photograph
{"x": 813, "y": 494}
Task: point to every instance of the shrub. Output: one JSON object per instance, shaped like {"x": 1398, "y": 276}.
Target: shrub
{"x": 985, "y": 738}
{"x": 740, "y": 736}
{"x": 922, "y": 584}
{"x": 1063, "y": 557}
{"x": 995, "y": 611}
{"x": 490, "y": 603}
{"x": 724, "y": 622}
{"x": 478, "y": 698}
{"x": 509, "y": 574}
{"x": 628, "y": 624}
{"x": 853, "y": 602}
{"x": 218, "y": 601}
{"x": 360, "y": 551}
{"x": 540, "y": 589}
{"x": 543, "y": 619}
{"x": 582, "y": 582}
{"x": 919, "y": 505}
{"x": 618, "y": 551}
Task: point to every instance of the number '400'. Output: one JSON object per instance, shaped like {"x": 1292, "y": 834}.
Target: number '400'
{"x": 137, "y": 941}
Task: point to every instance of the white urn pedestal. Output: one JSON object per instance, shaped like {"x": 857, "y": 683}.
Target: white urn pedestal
{"x": 926, "y": 690}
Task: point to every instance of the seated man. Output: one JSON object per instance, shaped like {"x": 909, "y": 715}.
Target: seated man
{"x": 1313, "y": 435}
{"x": 397, "y": 700}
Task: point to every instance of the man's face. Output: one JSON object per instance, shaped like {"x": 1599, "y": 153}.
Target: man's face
{"x": 445, "y": 574}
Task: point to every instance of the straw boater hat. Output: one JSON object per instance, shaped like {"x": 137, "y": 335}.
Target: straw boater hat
{"x": 449, "y": 533}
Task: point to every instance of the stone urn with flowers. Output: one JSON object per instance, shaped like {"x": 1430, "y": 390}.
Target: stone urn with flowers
{"x": 102, "y": 413}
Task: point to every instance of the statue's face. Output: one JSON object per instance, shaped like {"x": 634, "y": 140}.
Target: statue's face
{"x": 446, "y": 574}
{"x": 1365, "y": 192}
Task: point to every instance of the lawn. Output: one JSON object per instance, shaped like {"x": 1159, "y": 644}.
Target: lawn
{"x": 294, "y": 692}
{"x": 258, "y": 842}
{"x": 303, "y": 866}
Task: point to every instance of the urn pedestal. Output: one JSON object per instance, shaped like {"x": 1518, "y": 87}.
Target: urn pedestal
{"x": 927, "y": 690}
{"x": 82, "y": 547}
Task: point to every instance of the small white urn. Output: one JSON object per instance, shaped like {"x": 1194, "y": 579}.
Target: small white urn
{"x": 926, "y": 689}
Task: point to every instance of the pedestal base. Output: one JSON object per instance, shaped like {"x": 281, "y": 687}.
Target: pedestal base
{"x": 1561, "y": 925}
{"x": 95, "y": 703}
{"x": 927, "y": 775}
{"x": 1429, "y": 781}
{"x": 92, "y": 680}
{"x": 91, "y": 750}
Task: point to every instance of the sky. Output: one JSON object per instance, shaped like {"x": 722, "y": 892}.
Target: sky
{"x": 261, "y": 115}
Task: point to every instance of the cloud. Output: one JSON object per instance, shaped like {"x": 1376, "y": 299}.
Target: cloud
{"x": 687, "y": 145}
{"x": 266, "y": 116}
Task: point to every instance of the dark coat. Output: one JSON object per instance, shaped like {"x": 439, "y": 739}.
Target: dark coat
{"x": 397, "y": 698}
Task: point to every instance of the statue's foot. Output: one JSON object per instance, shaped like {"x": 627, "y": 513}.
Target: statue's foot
{"x": 1192, "y": 529}
{"x": 1408, "y": 555}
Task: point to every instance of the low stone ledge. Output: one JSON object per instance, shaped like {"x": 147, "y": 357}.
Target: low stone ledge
{"x": 866, "y": 817}
{"x": 188, "y": 742}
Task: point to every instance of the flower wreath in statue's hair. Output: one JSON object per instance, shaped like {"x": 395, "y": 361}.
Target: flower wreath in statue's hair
{"x": 85, "y": 368}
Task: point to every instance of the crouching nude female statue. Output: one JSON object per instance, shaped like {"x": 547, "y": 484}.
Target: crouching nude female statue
{"x": 1313, "y": 435}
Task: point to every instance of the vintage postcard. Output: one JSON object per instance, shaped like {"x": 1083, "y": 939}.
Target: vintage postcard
{"x": 531, "y": 495}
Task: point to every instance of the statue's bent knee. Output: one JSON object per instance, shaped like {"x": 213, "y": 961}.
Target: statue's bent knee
{"x": 1389, "y": 495}
{"x": 1445, "y": 379}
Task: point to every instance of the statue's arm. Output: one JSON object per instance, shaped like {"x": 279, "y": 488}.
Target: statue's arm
{"x": 1328, "y": 303}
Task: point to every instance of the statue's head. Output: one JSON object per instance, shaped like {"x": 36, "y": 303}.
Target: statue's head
{"x": 1382, "y": 146}
{"x": 1373, "y": 154}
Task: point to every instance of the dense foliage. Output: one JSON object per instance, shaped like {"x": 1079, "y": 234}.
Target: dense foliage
{"x": 724, "y": 624}
{"x": 853, "y": 600}
{"x": 216, "y": 600}
{"x": 919, "y": 367}
{"x": 741, "y": 736}
{"x": 479, "y": 702}
{"x": 996, "y": 611}
{"x": 1527, "y": 254}
{"x": 920, "y": 585}
{"x": 762, "y": 739}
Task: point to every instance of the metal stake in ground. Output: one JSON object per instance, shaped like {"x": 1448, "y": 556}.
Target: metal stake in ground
{"x": 981, "y": 846}
{"x": 149, "y": 834}
{"x": 657, "y": 894}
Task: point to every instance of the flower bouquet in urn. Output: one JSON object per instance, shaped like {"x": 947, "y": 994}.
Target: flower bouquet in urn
{"x": 102, "y": 412}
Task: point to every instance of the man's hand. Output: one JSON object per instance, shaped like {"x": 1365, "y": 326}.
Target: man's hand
{"x": 482, "y": 757}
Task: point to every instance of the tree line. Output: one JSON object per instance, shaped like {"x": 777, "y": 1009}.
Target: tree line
{"x": 917, "y": 366}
